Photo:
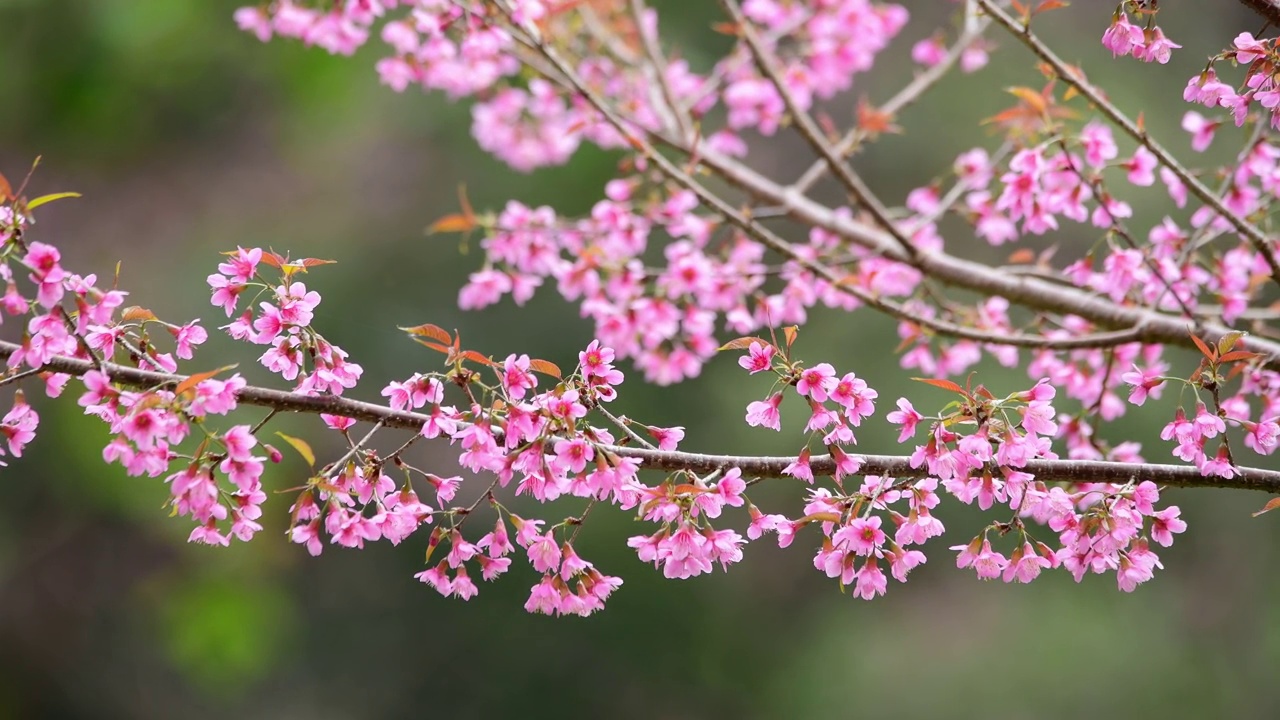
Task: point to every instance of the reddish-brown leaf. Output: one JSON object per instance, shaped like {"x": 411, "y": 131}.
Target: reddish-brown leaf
{"x": 742, "y": 343}
{"x": 134, "y": 313}
{"x": 1235, "y": 355}
{"x": 474, "y": 356}
{"x": 1208, "y": 353}
{"x": 941, "y": 383}
{"x": 821, "y": 517}
{"x": 546, "y": 367}
{"x": 6, "y": 190}
{"x": 1272, "y": 504}
{"x": 434, "y": 346}
{"x": 790, "y": 332}
{"x": 452, "y": 223}
{"x": 273, "y": 259}
{"x": 427, "y": 330}
{"x": 873, "y": 120}
{"x": 313, "y": 262}
{"x": 1022, "y": 256}
{"x": 194, "y": 380}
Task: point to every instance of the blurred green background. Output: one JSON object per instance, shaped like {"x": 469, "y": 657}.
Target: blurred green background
{"x": 188, "y": 137}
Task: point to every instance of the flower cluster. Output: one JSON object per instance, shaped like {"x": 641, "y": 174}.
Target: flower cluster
{"x": 1147, "y": 44}
{"x": 1260, "y": 58}
{"x": 297, "y": 351}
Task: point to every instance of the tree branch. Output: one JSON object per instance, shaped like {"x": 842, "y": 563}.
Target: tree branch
{"x": 1148, "y": 326}
{"x": 1269, "y": 9}
{"x": 898, "y": 466}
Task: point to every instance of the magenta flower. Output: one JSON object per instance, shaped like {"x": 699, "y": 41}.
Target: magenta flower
{"x": 907, "y": 417}
{"x": 816, "y": 382}
{"x": 758, "y": 358}
{"x": 1122, "y": 37}
{"x": 764, "y": 413}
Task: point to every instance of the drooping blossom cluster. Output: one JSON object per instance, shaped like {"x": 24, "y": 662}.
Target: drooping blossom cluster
{"x": 1259, "y": 91}
{"x": 1147, "y": 44}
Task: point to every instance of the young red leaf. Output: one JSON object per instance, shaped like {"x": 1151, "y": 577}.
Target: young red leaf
{"x": 1235, "y": 355}
{"x": 434, "y": 345}
{"x": 1272, "y": 504}
{"x": 273, "y": 259}
{"x": 474, "y": 356}
{"x": 194, "y": 380}
{"x": 742, "y": 343}
{"x": 6, "y": 190}
{"x": 1022, "y": 256}
{"x": 546, "y": 367}
{"x": 1210, "y": 354}
{"x": 790, "y": 332}
{"x": 940, "y": 383}
{"x": 452, "y": 223}
{"x": 427, "y": 330}
{"x": 1048, "y": 5}
{"x": 134, "y": 313}
{"x": 313, "y": 262}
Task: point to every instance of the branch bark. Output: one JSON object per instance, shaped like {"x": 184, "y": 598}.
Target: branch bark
{"x": 898, "y": 466}
{"x": 1269, "y": 9}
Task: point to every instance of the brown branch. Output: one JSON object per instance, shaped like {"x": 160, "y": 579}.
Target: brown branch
{"x": 1269, "y": 9}
{"x": 1149, "y": 326}
{"x": 670, "y": 460}
{"x": 897, "y": 466}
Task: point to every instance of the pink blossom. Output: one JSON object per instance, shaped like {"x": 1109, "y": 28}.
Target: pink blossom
{"x": 1165, "y": 524}
{"x": 871, "y": 580}
{"x": 817, "y": 381}
{"x": 862, "y": 536}
{"x": 758, "y": 359}
{"x": 544, "y": 554}
{"x": 799, "y": 468}
{"x": 1248, "y": 49}
{"x": 517, "y": 377}
{"x": 1122, "y": 37}
{"x": 1155, "y": 48}
{"x": 438, "y": 578}
{"x": 1201, "y": 129}
{"x": 907, "y": 417}
{"x": 1025, "y": 564}
{"x": 929, "y": 52}
{"x": 1145, "y": 383}
{"x": 765, "y": 413}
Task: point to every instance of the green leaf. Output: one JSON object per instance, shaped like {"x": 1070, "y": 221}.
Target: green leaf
{"x": 301, "y": 446}
{"x": 46, "y": 199}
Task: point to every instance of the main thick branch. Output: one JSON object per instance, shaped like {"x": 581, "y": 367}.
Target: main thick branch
{"x": 898, "y": 466}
